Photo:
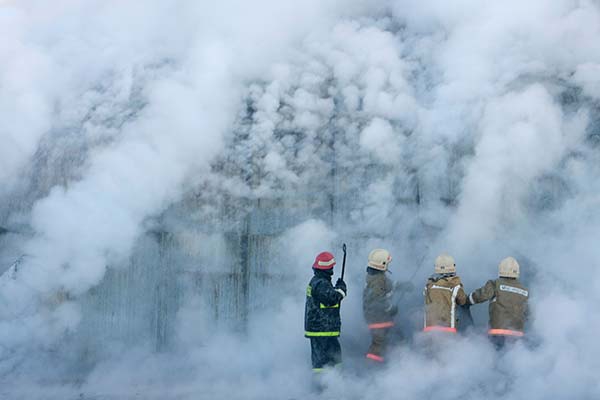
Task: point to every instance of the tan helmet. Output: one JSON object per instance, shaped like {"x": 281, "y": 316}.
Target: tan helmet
{"x": 509, "y": 268}
{"x": 379, "y": 259}
{"x": 444, "y": 264}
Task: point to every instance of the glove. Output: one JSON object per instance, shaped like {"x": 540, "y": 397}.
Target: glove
{"x": 340, "y": 284}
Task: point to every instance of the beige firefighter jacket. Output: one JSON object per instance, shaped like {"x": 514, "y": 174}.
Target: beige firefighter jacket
{"x": 508, "y": 305}
{"x": 442, "y": 293}
{"x": 378, "y": 307}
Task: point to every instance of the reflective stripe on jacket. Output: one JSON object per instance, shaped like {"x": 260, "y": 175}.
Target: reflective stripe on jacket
{"x": 504, "y": 332}
{"x": 508, "y": 307}
{"x": 442, "y": 293}
{"x": 322, "y": 308}
{"x": 435, "y": 328}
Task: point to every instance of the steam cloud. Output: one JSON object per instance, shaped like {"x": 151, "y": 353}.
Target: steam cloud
{"x": 463, "y": 127}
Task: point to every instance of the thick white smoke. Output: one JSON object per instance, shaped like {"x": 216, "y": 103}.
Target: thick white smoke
{"x": 188, "y": 62}
{"x": 453, "y": 126}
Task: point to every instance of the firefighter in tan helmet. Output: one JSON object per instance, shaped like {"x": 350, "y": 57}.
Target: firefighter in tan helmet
{"x": 443, "y": 292}
{"x": 507, "y": 298}
{"x": 378, "y": 308}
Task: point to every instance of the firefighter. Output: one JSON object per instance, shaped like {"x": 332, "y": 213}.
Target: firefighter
{"x": 378, "y": 309}
{"x": 443, "y": 292}
{"x": 508, "y": 307}
{"x": 322, "y": 321}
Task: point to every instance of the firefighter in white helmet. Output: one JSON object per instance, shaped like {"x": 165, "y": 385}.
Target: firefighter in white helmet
{"x": 443, "y": 292}
{"x": 508, "y": 306}
{"x": 378, "y": 308}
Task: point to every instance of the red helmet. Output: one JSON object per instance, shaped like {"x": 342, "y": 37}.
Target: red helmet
{"x": 324, "y": 260}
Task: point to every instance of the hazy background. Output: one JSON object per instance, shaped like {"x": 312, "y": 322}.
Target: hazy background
{"x": 169, "y": 170}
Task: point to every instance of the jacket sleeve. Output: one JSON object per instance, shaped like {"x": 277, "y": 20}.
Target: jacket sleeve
{"x": 527, "y": 311}
{"x": 326, "y": 294}
{"x": 461, "y": 296}
{"x": 392, "y": 308}
{"x": 382, "y": 293}
{"x": 484, "y": 293}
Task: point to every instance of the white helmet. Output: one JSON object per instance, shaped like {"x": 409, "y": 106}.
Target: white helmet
{"x": 379, "y": 259}
{"x": 509, "y": 268}
{"x": 444, "y": 264}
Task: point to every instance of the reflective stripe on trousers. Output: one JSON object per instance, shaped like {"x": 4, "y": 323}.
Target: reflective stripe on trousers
{"x": 504, "y": 332}
{"x": 374, "y": 357}
{"x": 380, "y": 325}
{"x": 319, "y": 370}
{"x": 436, "y": 328}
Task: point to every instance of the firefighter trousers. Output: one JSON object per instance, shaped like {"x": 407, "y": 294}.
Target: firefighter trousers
{"x": 325, "y": 352}
{"x": 500, "y": 342}
{"x": 379, "y": 343}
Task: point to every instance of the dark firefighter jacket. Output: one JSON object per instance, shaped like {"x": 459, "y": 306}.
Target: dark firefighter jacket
{"x": 322, "y": 310}
{"x": 378, "y": 309}
{"x": 508, "y": 305}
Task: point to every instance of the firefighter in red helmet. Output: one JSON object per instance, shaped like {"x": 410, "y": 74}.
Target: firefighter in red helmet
{"x": 322, "y": 321}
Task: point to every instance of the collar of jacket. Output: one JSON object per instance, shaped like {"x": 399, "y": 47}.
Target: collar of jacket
{"x": 325, "y": 273}
{"x": 373, "y": 271}
{"x": 437, "y": 277}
